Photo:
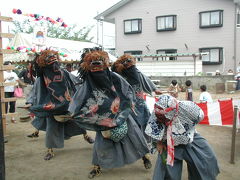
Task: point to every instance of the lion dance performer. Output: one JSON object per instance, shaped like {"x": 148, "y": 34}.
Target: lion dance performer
{"x": 49, "y": 101}
{"x": 126, "y": 67}
{"x": 103, "y": 103}
{"x": 172, "y": 125}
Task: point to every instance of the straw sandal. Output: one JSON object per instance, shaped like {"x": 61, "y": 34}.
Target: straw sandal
{"x": 13, "y": 120}
{"x": 96, "y": 171}
{"x": 88, "y": 139}
{"x": 147, "y": 162}
{"x": 34, "y": 135}
{"x": 49, "y": 154}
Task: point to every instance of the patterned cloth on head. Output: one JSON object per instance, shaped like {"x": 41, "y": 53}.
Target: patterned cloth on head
{"x": 179, "y": 129}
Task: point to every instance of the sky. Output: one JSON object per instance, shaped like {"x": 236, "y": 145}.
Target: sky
{"x": 80, "y": 12}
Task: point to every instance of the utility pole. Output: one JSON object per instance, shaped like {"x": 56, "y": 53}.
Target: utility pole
{"x": 102, "y": 34}
{"x": 97, "y": 30}
{"x": 101, "y": 23}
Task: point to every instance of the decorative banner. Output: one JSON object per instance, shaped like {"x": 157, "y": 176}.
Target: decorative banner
{"x": 39, "y": 36}
{"x": 38, "y": 17}
{"x": 24, "y": 49}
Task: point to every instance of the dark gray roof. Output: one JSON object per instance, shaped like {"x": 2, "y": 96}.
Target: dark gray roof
{"x": 102, "y": 16}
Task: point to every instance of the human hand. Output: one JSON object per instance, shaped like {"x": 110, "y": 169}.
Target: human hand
{"x": 161, "y": 147}
{"x": 158, "y": 91}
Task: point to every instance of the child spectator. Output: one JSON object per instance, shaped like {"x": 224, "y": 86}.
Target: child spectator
{"x": 205, "y": 96}
{"x": 174, "y": 88}
{"x": 230, "y": 72}
{"x": 217, "y": 73}
{"x": 237, "y": 77}
{"x": 189, "y": 95}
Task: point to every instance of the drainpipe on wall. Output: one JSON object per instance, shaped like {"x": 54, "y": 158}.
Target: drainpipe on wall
{"x": 237, "y": 9}
{"x": 235, "y": 40}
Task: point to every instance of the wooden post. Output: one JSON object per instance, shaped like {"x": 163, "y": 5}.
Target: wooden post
{"x": 234, "y": 129}
{"x": 4, "y": 68}
{"x": 2, "y": 80}
{"x": 2, "y": 122}
{"x": 2, "y": 95}
{"x": 2, "y": 157}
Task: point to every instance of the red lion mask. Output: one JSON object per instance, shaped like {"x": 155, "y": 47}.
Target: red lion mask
{"x": 95, "y": 61}
{"x": 123, "y": 62}
{"x": 47, "y": 57}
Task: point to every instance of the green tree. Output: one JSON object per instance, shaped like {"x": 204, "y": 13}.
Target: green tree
{"x": 24, "y": 27}
{"x": 72, "y": 32}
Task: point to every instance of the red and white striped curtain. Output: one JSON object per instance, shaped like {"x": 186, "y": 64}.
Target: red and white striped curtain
{"x": 220, "y": 112}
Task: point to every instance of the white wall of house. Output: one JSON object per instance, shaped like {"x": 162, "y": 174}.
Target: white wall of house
{"x": 185, "y": 67}
{"x": 187, "y": 32}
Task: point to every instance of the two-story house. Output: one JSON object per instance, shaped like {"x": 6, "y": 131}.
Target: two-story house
{"x": 179, "y": 26}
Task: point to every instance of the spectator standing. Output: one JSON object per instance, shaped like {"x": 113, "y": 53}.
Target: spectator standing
{"x": 205, "y": 96}
{"x": 75, "y": 71}
{"x": 217, "y": 73}
{"x": 237, "y": 77}
{"x": 69, "y": 67}
{"x": 28, "y": 80}
{"x": 10, "y": 77}
{"x": 230, "y": 72}
{"x": 189, "y": 93}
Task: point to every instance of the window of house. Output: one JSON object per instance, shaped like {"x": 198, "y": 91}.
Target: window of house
{"x": 214, "y": 56}
{"x": 134, "y": 53}
{"x": 210, "y": 19}
{"x": 132, "y": 26}
{"x": 167, "y": 51}
{"x": 166, "y": 23}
